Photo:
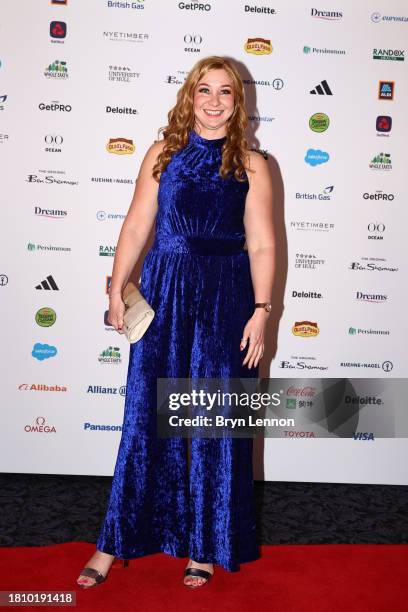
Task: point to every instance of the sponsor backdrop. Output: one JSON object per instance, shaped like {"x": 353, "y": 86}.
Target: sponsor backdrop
{"x": 84, "y": 88}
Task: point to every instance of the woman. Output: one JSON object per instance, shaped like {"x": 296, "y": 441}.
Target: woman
{"x": 211, "y": 297}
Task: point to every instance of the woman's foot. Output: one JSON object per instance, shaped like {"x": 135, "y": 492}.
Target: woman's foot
{"x": 197, "y": 580}
{"x": 101, "y": 562}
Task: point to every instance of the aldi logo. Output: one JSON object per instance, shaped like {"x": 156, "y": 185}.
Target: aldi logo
{"x": 386, "y": 90}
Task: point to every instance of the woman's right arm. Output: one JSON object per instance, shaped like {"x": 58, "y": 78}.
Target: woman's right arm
{"x": 134, "y": 233}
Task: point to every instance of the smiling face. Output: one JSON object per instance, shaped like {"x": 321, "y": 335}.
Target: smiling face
{"x": 213, "y": 103}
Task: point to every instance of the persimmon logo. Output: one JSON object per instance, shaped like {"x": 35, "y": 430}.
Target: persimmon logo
{"x": 306, "y": 329}
{"x": 258, "y": 46}
{"x": 120, "y": 146}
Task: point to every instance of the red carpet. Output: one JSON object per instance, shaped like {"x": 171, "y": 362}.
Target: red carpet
{"x": 312, "y": 578}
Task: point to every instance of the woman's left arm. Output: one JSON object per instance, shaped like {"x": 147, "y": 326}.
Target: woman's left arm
{"x": 260, "y": 239}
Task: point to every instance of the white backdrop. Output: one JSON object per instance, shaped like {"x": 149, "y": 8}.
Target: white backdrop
{"x": 103, "y": 82}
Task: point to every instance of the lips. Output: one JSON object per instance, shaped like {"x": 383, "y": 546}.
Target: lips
{"x": 212, "y": 113}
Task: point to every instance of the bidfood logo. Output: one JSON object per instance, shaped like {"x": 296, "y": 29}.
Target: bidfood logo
{"x": 258, "y": 46}
{"x": 319, "y": 122}
{"x": 120, "y": 146}
{"x": 305, "y": 329}
{"x": 315, "y": 157}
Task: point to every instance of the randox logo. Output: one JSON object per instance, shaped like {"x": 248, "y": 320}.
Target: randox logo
{"x": 45, "y": 317}
{"x": 319, "y": 122}
{"x": 258, "y": 46}
{"x": 389, "y": 54}
{"x": 120, "y": 146}
{"x": 305, "y": 329}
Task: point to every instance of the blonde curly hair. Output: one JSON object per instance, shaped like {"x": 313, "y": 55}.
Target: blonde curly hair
{"x": 181, "y": 120}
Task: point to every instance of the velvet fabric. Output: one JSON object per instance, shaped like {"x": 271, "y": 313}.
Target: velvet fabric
{"x": 197, "y": 278}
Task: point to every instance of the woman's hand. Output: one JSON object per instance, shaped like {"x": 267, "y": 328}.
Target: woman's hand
{"x": 116, "y": 312}
{"x": 254, "y": 331}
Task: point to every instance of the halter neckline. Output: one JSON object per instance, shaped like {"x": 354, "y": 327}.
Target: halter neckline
{"x": 206, "y": 142}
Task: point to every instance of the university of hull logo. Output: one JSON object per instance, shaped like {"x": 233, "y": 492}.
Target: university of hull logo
{"x": 305, "y": 329}
{"x": 258, "y": 46}
{"x": 386, "y": 90}
{"x": 120, "y": 146}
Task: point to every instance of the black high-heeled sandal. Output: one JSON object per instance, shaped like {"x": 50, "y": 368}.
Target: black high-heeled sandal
{"x": 199, "y": 573}
{"x": 90, "y": 572}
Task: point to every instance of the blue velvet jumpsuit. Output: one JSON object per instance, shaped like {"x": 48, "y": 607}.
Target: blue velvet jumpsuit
{"x": 197, "y": 279}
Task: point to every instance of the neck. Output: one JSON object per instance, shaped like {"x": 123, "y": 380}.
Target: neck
{"x": 210, "y": 134}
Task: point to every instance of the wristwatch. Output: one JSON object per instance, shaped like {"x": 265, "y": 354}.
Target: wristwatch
{"x": 266, "y": 305}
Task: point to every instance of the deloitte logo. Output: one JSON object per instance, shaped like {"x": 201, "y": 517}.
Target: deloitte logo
{"x": 319, "y": 122}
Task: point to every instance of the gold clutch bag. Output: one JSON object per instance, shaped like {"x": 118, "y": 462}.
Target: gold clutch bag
{"x": 138, "y": 313}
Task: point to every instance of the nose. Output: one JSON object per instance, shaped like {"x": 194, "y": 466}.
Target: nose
{"x": 215, "y": 99}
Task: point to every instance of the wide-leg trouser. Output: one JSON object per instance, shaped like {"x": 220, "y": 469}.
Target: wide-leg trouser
{"x": 159, "y": 502}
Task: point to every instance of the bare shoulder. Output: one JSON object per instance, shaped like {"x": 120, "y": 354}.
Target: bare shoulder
{"x": 257, "y": 162}
{"x": 155, "y": 148}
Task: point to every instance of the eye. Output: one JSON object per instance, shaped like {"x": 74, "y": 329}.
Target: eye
{"x": 227, "y": 91}
{"x": 203, "y": 89}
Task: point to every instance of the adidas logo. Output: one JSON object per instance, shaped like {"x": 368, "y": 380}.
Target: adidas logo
{"x": 322, "y": 90}
{"x": 48, "y": 284}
